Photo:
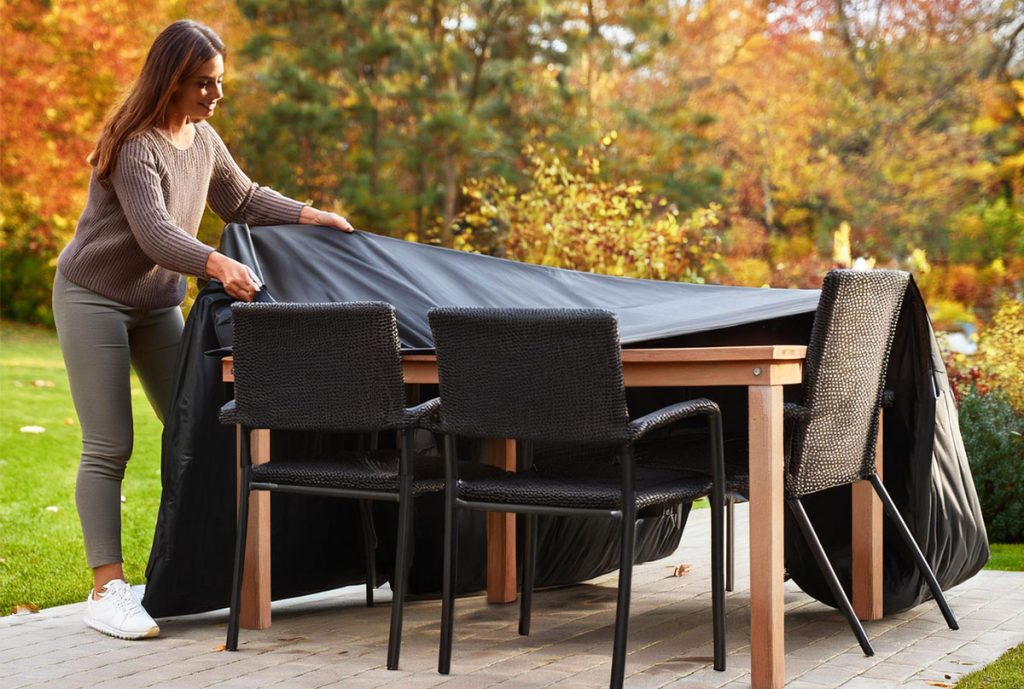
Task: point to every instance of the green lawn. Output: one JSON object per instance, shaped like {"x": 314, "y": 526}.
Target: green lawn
{"x": 42, "y": 560}
{"x": 1008, "y": 557}
{"x": 1005, "y": 673}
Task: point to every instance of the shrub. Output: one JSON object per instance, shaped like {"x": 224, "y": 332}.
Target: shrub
{"x": 749, "y": 272}
{"x": 1001, "y": 352}
{"x": 993, "y": 436}
{"x": 568, "y": 216}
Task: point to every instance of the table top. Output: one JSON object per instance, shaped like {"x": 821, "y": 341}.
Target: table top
{"x": 666, "y": 367}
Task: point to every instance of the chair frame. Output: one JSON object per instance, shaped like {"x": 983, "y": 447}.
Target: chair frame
{"x": 393, "y": 416}
{"x": 626, "y": 513}
{"x": 795, "y": 415}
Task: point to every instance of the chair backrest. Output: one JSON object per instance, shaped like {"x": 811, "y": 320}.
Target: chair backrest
{"x": 318, "y": 366}
{"x": 531, "y": 374}
{"x": 844, "y": 377}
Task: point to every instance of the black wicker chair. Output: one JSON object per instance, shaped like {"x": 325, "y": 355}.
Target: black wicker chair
{"x": 555, "y": 376}
{"x": 830, "y": 437}
{"x": 330, "y": 367}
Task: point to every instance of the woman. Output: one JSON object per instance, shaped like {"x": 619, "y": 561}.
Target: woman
{"x": 119, "y": 283}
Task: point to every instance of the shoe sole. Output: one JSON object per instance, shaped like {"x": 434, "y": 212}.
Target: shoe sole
{"x": 121, "y": 634}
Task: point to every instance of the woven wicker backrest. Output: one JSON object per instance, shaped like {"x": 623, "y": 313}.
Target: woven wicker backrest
{"x": 531, "y": 374}
{"x": 844, "y": 378}
{"x": 318, "y": 366}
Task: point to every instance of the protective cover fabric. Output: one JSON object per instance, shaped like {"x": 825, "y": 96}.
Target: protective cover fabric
{"x": 316, "y": 541}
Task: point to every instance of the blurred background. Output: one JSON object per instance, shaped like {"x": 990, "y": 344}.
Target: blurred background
{"x": 726, "y": 141}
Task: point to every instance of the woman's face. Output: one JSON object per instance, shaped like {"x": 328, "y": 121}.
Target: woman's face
{"x": 198, "y": 94}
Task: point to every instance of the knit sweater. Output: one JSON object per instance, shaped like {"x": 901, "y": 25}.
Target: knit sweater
{"x": 137, "y": 234}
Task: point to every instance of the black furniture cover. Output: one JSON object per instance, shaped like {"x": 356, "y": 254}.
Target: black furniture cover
{"x": 316, "y": 542}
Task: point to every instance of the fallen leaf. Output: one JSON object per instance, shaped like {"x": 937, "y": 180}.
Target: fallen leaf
{"x": 24, "y": 609}
{"x": 32, "y": 429}
{"x": 42, "y": 383}
{"x": 680, "y": 570}
{"x": 220, "y": 647}
{"x": 69, "y": 421}
{"x": 52, "y": 508}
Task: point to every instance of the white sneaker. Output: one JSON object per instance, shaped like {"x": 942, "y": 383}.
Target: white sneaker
{"x": 119, "y": 612}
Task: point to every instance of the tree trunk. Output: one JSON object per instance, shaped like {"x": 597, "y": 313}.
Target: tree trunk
{"x": 451, "y": 180}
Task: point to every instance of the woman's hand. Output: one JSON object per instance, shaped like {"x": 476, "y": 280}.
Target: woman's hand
{"x": 311, "y": 216}
{"x": 236, "y": 277}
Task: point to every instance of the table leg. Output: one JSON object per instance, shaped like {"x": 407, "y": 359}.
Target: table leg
{"x": 767, "y": 570}
{"x": 501, "y": 533}
{"x": 255, "y": 608}
{"x": 867, "y": 543}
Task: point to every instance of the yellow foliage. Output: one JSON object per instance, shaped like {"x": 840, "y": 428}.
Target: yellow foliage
{"x": 750, "y": 272}
{"x": 919, "y": 262}
{"x": 567, "y": 217}
{"x": 945, "y": 312}
{"x": 841, "y": 255}
{"x": 1001, "y": 352}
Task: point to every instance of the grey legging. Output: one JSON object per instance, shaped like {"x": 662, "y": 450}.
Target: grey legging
{"x": 100, "y": 340}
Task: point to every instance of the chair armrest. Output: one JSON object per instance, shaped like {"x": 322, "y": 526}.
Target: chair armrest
{"x": 701, "y": 406}
{"x": 426, "y": 415}
{"x": 228, "y": 413}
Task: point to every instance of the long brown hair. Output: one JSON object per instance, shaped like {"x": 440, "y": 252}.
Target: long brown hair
{"x": 177, "y": 52}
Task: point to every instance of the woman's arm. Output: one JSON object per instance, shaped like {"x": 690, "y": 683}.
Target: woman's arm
{"x": 236, "y": 198}
{"x": 136, "y": 182}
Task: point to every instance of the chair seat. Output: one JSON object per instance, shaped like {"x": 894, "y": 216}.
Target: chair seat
{"x": 601, "y": 489}
{"x": 374, "y": 470}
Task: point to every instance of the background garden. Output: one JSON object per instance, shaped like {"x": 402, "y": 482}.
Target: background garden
{"x": 738, "y": 142}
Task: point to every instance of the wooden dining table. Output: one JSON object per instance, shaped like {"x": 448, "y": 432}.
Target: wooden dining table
{"x": 763, "y": 370}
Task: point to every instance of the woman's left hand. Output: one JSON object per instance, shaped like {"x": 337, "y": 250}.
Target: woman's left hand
{"x": 311, "y": 216}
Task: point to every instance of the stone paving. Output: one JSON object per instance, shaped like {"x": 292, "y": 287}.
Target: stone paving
{"x": 333, "y": 640}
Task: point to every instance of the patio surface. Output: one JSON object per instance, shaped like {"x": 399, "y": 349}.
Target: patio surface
{"x": 332, "y": 639}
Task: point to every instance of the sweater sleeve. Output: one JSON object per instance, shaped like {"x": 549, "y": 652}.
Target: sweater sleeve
{"x": 136, "y": 182}
{"x": 236, "y": 198}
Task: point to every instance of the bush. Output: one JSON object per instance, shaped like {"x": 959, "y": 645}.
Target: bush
{"x": 993, "y": 436}
{"x": 748, "y": 272}
{"x": 569, "y": 216}
{"x": 1001, "y": 352}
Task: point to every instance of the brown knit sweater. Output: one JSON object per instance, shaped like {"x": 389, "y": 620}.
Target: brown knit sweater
{"x": 137, "y": 233}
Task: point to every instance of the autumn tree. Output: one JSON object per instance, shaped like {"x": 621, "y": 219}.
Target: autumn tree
{"x": 65, "y": 65}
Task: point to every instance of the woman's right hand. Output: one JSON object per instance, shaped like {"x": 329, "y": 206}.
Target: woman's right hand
{"x": 235, "y": 276}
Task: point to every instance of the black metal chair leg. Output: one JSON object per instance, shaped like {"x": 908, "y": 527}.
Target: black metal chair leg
{"x": 626, "y": 557}
{"x": 719, "y": 501}
{"x": 236, "y": 584}
{"x": 403, "y": 552}
{"x": 730, "y": 546}
{"x": 797, "y": 508}
{"x": 369, "y": 548}
{"x": 908, "y": 538}
{"x": 718, "y": 584}
{"x": 529, "y": 569}
{"x": 451, "y": 542}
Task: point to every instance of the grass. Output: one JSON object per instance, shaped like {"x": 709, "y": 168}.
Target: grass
{"x": 1008, "y": 557}
{"x": 1005, "y": 673}
{"x": 42, "y": 557}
